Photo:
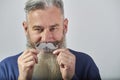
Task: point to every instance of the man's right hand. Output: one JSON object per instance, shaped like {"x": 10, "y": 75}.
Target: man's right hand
{"x": 26, "y": 62}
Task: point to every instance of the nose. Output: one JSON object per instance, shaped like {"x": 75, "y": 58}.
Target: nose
{"x": 47, "y": 36}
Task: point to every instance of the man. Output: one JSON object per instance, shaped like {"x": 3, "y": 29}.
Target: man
{"x": 46, "y": 56}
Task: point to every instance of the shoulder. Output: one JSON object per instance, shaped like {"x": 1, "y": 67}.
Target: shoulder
{"x": 85, "y": 66}
{"x": 83, "y": 59}
{"x": 9, "y": 67}
{"x": 10, "y": 60}
{"x": 80, "y": 55}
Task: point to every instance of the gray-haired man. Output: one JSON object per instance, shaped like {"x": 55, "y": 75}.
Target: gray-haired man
{"x": 46, "y": 56}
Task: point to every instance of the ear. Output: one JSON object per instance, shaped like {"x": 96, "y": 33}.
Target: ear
{"x": 25, "y": 26}
{"x": 65, "y": 25}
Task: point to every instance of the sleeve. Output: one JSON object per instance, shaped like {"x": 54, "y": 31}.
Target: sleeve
{"x": 2, "y": 71}
{"x": 93, "y": 71}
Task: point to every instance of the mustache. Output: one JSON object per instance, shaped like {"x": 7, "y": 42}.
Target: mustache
{"x": 47, "y": 47}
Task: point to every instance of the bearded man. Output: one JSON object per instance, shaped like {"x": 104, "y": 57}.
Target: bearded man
{"x": 46, "y": 56}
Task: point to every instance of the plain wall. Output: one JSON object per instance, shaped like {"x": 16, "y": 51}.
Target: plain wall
{"x": 94, "y": 28}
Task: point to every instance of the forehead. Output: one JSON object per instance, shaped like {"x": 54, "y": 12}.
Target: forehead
{"x": 48, "y": 15}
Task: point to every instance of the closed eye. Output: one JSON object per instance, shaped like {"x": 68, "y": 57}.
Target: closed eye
{"x": 54, "y": 27}
{"x": 38, "y": 28}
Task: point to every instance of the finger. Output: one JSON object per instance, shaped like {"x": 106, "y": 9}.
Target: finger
{"x": 31, "y": 58}
{"x": 56, "y": 52}
{"x": 29, "y": 64}
{"x": 29, "y": 50}
{"x": 24, "y": 53}
{"x": 64, "y": 64}
{"x": 63, "y": 59}
{"x": 34, "y": 51}
{"x": 30, "y": 54}
{"x": 63, "y": 56}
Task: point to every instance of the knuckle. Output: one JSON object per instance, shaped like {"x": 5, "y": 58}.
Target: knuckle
{"x": 26, "y": 51}
{"x": 24, "y": 67}
{"x": 32, "y": 57}
{"x": 31, "y": 63}
{"x": 30, "y": 53}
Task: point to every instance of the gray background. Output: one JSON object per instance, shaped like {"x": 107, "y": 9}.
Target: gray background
{"x": 94, "y": 28}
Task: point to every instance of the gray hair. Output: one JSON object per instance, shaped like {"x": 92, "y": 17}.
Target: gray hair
{"x": 43, "y": 4}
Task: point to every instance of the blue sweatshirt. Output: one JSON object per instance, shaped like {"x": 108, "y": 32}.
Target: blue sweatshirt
{"x": 85, "y": 68}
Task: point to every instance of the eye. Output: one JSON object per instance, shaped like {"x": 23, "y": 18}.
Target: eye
{"x": 38, "y": 29}
{"x": 53, "y": 28}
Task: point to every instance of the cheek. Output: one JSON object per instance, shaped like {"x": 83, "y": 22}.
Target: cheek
{"x": 58, "y": 35}
{"x": 34, "y": 37}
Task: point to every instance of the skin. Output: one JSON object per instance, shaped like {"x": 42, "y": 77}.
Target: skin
{"x": 46, "y": 26}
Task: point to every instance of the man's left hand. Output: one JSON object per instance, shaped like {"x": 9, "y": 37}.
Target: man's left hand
{"x": 66, "y": 60}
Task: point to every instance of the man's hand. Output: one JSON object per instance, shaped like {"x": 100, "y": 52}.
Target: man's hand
{"x": 66, "y": 60}
{"x": 26, "y": 62}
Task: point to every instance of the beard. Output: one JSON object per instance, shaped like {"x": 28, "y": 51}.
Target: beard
{"x": 47, "y": 67}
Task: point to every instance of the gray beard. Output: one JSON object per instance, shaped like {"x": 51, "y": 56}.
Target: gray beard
{"x": 47, "y": 67}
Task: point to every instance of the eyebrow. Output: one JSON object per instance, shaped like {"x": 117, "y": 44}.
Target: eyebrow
{"x": 38, "y": 26}
{"x": 55, "y": 25}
